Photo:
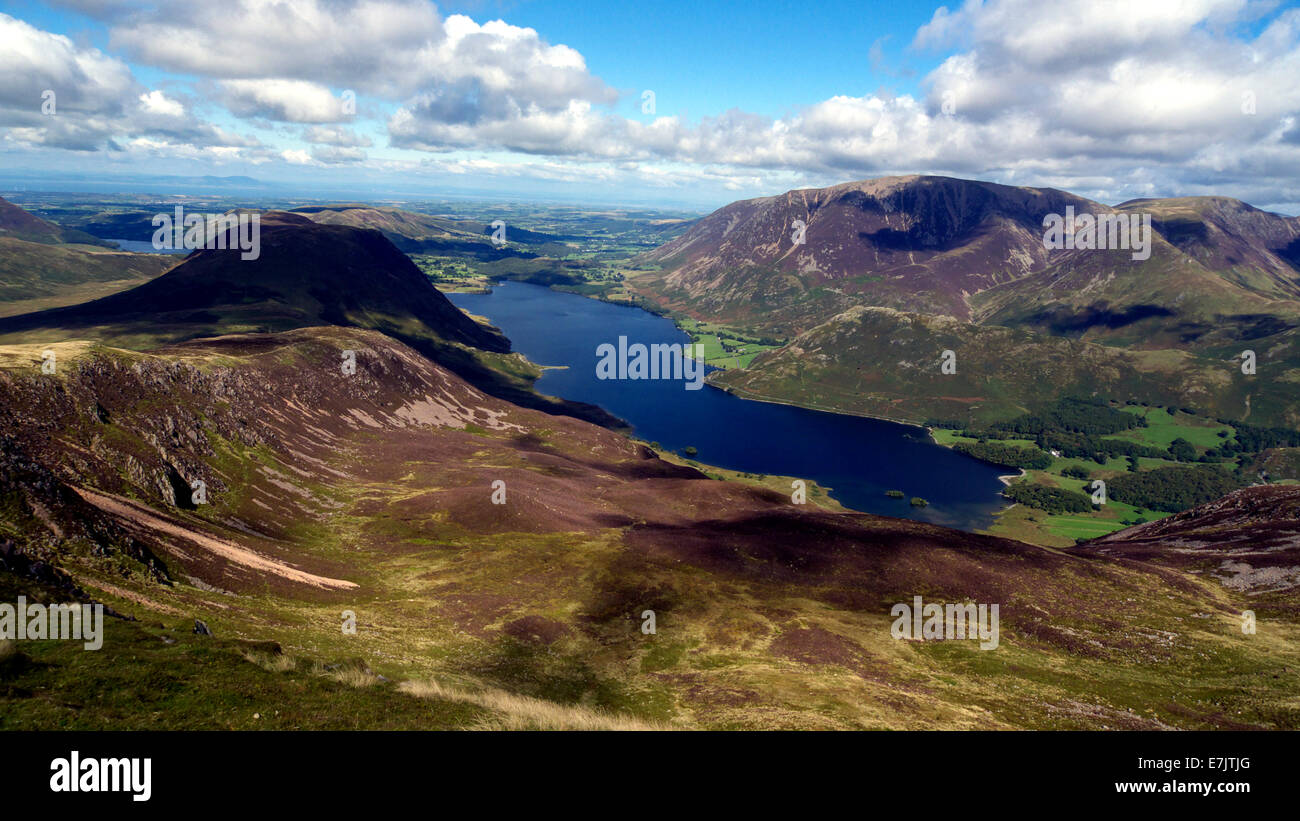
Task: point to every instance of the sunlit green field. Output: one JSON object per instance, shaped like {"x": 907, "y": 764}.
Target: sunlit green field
{"x": 1163, "y": 428}
{"x": 1062, "y": 529}
{"x": 720, "y": 352}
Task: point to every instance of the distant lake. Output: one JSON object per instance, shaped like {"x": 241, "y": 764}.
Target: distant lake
{"x": 142, "y": 247}
{"x": 857, "y": 458}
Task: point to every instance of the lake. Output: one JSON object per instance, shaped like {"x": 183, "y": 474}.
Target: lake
{"x": 136, "y": 246}
{"x": 857, "y": 458}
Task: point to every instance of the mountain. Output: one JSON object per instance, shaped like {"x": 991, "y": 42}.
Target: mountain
{"x": 16, "y": 223}
{"x": 947, "y": 264}
{"x": 43, "y": 265}
{"x": 1259, "y": 248}
{"x": 913, "y": 243}
{"x": 306, "y": 274}
{"x": 413, "y": 232}
{"x": 975, "y": 250}
{"x": 374, "y": 495}
{"x": 1220, "y": 273}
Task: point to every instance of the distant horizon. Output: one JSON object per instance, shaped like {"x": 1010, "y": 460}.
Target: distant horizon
{"x": 274, "y": 189}
{"x": 673, "y": 106}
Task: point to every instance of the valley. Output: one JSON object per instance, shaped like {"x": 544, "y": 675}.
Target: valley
{"x": 857, "y": 458}
{"x": 495, "y": 523}
{"x": 391, "y": 388}
{"x": 1169, "y": 446}
{"x": 892, "y": 272}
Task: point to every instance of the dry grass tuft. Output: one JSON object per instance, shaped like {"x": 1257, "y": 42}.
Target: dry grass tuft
{"x": 514, "y": 712}
{"x": 351, "y": 676}
{"x": 271, "y": 662}
{"x": 509, "y": 711}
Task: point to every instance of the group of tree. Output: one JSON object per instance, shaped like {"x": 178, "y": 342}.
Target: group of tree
{"x": 1253, "y": 438}
{"x": 1181, "y": 450}
{"x": 1172, "y": 489}
{"x": 1004, "y": 455}
{"x": 946, "y": 424}
{"x": 1091, "y": 417}
{"x": 1050, "y": 499}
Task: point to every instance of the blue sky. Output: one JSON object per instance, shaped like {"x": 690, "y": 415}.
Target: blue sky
{"x": 765, "y": 57}
{"x": 538, "y": 100}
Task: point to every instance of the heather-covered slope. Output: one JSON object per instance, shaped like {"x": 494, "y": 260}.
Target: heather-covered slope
{"x": 372, "y": 493}
{"x": 913, "y": 243}
{"x": 1249, "y": 541}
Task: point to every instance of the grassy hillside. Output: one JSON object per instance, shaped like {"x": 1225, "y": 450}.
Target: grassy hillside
{"x": 889, "y": 273}
{"x": 17, "y": 223}
{"x": 881, "y": 362}
{"x": 43, "y": 265}
{"x": 372, "y": 494}
{"x": 35, "y": 276}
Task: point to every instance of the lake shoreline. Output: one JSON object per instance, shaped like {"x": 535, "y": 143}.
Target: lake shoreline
{"x": 736, "y": 392}
{"x": 856, "y": 456}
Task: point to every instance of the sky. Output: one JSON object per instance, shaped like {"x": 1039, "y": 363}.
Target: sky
{"x": 676, "y": 104}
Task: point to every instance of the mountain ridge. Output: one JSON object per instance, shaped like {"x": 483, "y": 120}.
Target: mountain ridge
{"x": 906, "y": 242}
{"x": 44, "y": 265}
{"x": 306, "y": 274}
{"x": 1221, "y": 280}
{"x": 18, "y": 223}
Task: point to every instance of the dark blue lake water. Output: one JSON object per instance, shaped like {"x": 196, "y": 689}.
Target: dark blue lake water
{"x": 857, "y": 458}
